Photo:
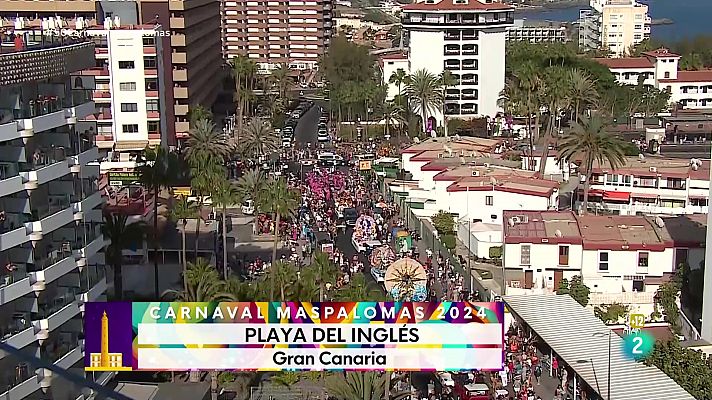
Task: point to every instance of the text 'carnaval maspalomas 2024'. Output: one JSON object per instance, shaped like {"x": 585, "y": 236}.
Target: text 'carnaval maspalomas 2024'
{"x": 291, "y": 335}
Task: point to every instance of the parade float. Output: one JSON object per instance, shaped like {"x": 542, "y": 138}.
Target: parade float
{"x": 365, "y": 233}
{"x": 406, "y": 280}
{"x": 380, "y": 259}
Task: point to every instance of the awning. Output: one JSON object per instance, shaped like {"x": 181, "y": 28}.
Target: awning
{"x": 616, "y": 196}
{"x": 644, "y": 195}
{"x": 131, "y": 145}
{"x": 595, "y": 192}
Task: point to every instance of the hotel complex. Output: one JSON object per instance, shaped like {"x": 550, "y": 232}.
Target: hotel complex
{"x": 467, "y": 38}
{"x": 614, "y": 25}
{"x": 272, "y": 33}
{"x": 50, "y": 238}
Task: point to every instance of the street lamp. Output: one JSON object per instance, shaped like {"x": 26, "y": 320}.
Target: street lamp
{"x": 608, "y": 381}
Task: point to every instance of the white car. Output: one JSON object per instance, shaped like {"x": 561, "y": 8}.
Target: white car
{"x": 248, "y": 207}
{"x": 286, "y": 141}
{"x": 322, "y": 137}
{"x": 378, "y": 275}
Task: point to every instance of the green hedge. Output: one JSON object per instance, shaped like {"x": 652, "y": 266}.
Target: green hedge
{"x": 448, "y": 241}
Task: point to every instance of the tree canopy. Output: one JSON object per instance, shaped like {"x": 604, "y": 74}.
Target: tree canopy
{"x": 575, "y": 288}
{"x": 691, "y": 369}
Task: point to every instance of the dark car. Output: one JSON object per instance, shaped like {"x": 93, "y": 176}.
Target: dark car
{"x": 350, "y": 216}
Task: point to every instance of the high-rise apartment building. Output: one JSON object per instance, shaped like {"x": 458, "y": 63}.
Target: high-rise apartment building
{"x": 131, "y": 107}
{"x": 292, "y": 32}
{"x": 50, "y": 238}
{"x": 614, "y": 26}
{"x": 190, "y": 39}
{"x": 467, "y": 38}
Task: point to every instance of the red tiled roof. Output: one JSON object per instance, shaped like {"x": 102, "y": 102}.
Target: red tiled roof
{"x": 626, "y": 63}
{"x": 452, "y": 5}
{"x": 511, "y": 184}
{"x": 704, "y": 75}
{"x": 394, "y": 56}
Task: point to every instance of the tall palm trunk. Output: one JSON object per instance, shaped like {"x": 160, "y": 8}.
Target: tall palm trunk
{"x": 274, "y": 256}
{"x": 547, "y": 141}
{"x": 118, "y": 278}
{"x": 197, "y": 226}
{"x": 587, "y": 183}
{"x": 185, "y": 262}
{"x": 156, "y": 190}
{"x": 213, "y": 385}
{"x": 224, "y": 238}
{"x": 530, "y": 161}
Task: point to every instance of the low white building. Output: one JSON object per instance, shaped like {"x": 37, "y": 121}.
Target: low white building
{"x": 479, "y": 237}
{"x": 659, "y": 68}
{"x": 390, "y": 63}
{"x": 651, "y": 185}
{"x": 622, "y": 259}
{"x": 414, "y": 157}
{"x": 554, "y": 167}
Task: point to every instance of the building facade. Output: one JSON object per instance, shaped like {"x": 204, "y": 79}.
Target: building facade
{"x": 129, "y": 78}
{"x": 651, "y": 185}
{"x": 622, "y": 259}
{"x": 660, "y": 69}
{"x": 546, "y": 32}
{"x": 50, "y": 237}
{"x": 614, "y": 26}
{"x": 272, "y": 33}
{"x": 467, "y": 38}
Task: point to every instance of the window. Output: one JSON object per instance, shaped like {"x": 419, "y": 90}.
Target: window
{"x": 603, "y": 261}
{"x": 153, "y": 127}
{"x": 149, "y": 62}
{"x": 129, "y": 128}
{"x": 638, "y": 286}
{"x": 129, "y": 107}
{"x": 489, "y": 200}
{"x": 680, "y": 257}
{"x": 127, "y": 86}
{"x": 667, "y": 75}
{"x": 126, "y": 65}
{"x": 563, "y": 255}
{"x": 643, "y": 259}
{"x": 151, "y": 84}
{"x": 152, "y": 105}
{"x": 149, "y": 41}
{"x": 525, "y": 254}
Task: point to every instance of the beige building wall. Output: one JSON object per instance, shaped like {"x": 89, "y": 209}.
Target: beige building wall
{"x": 623, "y": 26}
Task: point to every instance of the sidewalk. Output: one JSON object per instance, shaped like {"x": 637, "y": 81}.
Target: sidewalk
{"x": 493, "y": 284}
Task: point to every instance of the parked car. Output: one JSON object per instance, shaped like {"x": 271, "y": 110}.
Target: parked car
{"x": 248, "y": 207}
{"x": 327, "y": 159}
{"x": 350, "y": 216}
{"x": 322, "y": 136}
{"x": 286, "y": 141}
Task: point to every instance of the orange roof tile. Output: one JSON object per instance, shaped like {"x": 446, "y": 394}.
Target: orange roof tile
{"x": 624, "y": 63}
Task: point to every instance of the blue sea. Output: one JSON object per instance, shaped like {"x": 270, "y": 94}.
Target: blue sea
{"x": 691, "y": 17}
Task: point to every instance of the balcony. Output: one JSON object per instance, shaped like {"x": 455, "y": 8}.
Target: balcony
{"x": 55, "y": 265}
{"x": 14, "y": 232}
{"x": 8, "y": 128}
{"x": 452, "y": 35}
{"x": 93, "y": 284}
{"x": 58, "y": 213}
{"x": 89, "y": 155}
{"x": 14, "y": 285}
{"x": 19, "y": 336}
{"x": 87, "y": 204}
{"x": 20, "y": 383}
{"x": 95, "y": 243}
{"x": 54, "y": 314}
{"x": 180, "y": 75}
{"x": 469, "y": 66}
{"x": 68, "y": 354}
{"x": 47, "y": 165}
{"x": 10, "y": 185}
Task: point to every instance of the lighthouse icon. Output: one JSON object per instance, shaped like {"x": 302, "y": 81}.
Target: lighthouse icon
{"x": 104, "y": 360}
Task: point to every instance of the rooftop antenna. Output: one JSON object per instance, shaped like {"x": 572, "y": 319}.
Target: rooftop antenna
{"x": 641, "y": 157}
{"x": 558, "y": 234}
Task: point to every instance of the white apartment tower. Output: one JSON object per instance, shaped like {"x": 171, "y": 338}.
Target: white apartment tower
{"x": 50, "y": 211}
{"x": 467, "y": 38}
{"x": 614, "y": 25}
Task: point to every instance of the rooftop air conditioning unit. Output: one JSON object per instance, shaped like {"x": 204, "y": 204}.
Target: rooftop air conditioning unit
{"x": 475, "y": 173}
{"x": 653, "y": 169}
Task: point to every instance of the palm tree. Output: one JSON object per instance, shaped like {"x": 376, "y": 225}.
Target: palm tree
{"x": 582, "y": 91}
{"x": 359, "y": 289}
{"x": 325, "y": 271}
{"x": 205, "y": 141}
{"x": 393, "y": 113}
{"x": 258, "y": 139}
{"x": 446, "y": 80}
{"x": 122, "y": 236}
{"x": 589, "y": 141}
{"x": 399, "y": 78}
{"x": 158, "y": 169}
{"x": 205, "y": 172}
{"x": 556, "y": 98}
{"x": 368, "y": 385}
{"x": 182, "y": 211}
{"x": 279, "y": 200}
{"x": 282, "y": 80}
{"x": 251, "y": 184}
{"x": 424, "y": 89}
{"x": 224, "y": 195}
{"x": 284, "y": 275}
{"x": 199, "y": 112}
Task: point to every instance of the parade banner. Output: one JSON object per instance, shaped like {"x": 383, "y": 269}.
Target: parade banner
{"x": 265, "y": 336}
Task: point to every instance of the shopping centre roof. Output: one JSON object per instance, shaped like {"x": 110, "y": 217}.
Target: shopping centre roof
{"x": 581, "y": 341}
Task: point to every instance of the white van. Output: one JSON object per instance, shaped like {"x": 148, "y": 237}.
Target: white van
{"x": 248, "y": 207}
